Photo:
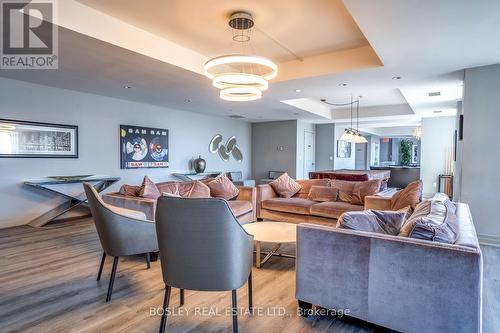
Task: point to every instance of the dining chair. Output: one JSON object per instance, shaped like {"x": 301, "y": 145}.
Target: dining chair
{"x": 122, "y": 232}
{"x": 204, "y": 248}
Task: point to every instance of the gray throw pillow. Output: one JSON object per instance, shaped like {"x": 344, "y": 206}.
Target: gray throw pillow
{"x": 379, "y": 221}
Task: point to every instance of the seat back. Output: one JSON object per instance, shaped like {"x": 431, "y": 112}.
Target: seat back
{"x": 202, "y": 245}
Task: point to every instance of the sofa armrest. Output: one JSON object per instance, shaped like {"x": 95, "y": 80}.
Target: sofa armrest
{"x": 264, "y": 192}
{"x": 147, "y": 206}
{"x": 382, "y": 278}
{"x": 248, "y": 193}
{"x": 377, "y": 202}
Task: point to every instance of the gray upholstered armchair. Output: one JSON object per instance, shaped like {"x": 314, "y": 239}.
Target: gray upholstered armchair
{"x": 202, "y": 247}
{"x": 122, "y": 232}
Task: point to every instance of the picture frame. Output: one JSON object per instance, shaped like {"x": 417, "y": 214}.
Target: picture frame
{"x": 29, "y": 139}
{"x": 344, "y": 149}
{"x": 143, "y": 147}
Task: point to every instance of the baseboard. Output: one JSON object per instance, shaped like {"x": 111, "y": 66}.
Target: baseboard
{"x": 489, "y": 240}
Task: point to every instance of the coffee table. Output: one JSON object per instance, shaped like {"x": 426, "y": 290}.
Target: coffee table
{"x": 271, "y": 232}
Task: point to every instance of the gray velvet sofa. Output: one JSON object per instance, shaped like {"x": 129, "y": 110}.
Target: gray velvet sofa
{"x": 401, "y": 283}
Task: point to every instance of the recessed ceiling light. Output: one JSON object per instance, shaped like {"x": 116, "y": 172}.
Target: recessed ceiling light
{"x": 437, "y": 111}
{"x": 127, "y": 87}
{"x": 187, "y": 100}
{"x": 297, "y": 90}
{"x": 396, "y": 77}
{"x": 343, "y": 84}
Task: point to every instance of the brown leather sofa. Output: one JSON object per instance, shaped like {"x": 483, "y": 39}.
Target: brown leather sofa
{"x": 243, "y": 206}
{"x": 299, "y": 209}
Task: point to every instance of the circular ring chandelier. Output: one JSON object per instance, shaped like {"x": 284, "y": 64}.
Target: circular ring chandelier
{"x": 241, "y": 77}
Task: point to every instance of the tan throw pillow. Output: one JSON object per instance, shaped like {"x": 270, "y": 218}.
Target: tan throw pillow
{"x": 323, "y": 193}
{"x": 130, "y": 190}
{"x": 223, "y": 187}
{"x": 345, "y": 189}
{"x": 199, "y": 190}
{"x": 409, "y": 196}
{"x": 168, "y": 187}
{"x": 285, "y": 186}
{"x": 362, "y": 189}
{"x": 149, "y": 189}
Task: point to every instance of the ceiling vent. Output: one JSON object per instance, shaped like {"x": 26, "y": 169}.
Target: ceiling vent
{"x": 434, "y": 94}
{"x": 236, "y": 116}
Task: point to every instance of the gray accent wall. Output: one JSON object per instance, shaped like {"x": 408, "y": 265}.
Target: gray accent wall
{"x": 325, "y": 146}
{"x": 481, "y": 155}
{"x": 98, "y": 119}
{"x": 274, "y": 148}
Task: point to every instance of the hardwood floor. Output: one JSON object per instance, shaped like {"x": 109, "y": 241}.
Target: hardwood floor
{"x": 47, "y": 284}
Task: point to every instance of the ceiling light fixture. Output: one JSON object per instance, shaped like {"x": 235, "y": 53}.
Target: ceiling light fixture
{"x": 351, "y": 134}
{"x": 297, "y": 90}
{"x": 343, "y": 84}
{"x": 417, "y": 132}
{"x": 396, "y": 77}
{"x": 241, "y": 77}
{"x": 127, "y": 87}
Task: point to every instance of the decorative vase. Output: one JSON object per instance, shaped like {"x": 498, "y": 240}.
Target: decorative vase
{"x": 199, "y": 164}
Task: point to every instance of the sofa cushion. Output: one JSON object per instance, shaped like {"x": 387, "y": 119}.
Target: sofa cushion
{"x": 380, "y": 221}
{"x": 240, "y": 207}
{"x": 409, "y": 196}
{"x": 285, "y": 186}
{"x": 199, "y": 190}
{"x": 223, "y": 187}
{"x": 306, "y": 184}
{"x": 362, "y": 189}
{"x": 345, "y": 188}
{"x": 323, "y": 193}
{"x": 289, "y": 205}
{"x": 333, "y": 209}
{"x": 130, "y": 190}
{"x": 433, "y": 220}
{"x": 149, "y": 189}
{"x": 135, "y": 214}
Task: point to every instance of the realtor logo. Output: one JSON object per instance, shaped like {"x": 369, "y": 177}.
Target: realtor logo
{"x": 28, "y": 37}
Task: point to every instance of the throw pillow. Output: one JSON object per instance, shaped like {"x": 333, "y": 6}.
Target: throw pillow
{"x": 345, "y": 189}
{"x": 168, "y": 187}
{"x": 409, "y": 196}
{"x": 379, "y": 221}
{"x": 166, "y": 194}
{"x": 149, "y": 189}
{"x": 199, "y": 190}
{"x": 130, "y": 190}
{"x": 323, "y": 193}
{"x": 285, "y": 186}
{"x": 223, "y": 187}
{"x": 362, "y": 189}
{"x": 433, "y": 220}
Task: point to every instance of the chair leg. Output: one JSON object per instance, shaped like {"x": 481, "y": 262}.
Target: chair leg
{"x": 102, "y": 266}
{"x": 235, "y": 311}
{"x": 112, "y": 279}
{"x": 148, "y": 260}
{"x": 182, "y": 297}
{"x": 250, "y": 296}
{"x": 163, "y": 322}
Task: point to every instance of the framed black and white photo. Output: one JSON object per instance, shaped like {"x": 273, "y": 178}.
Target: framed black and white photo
{"x": 143, "y": 147}
{"x": 343, "y": 149}
{"x": 20, "y": 138}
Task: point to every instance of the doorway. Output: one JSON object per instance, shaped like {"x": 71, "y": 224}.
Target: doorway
{"x": 309, "y": 153}
{"x": 360, "y": 156}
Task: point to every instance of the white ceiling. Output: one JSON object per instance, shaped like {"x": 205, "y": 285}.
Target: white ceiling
{"x": 427, "y": 43}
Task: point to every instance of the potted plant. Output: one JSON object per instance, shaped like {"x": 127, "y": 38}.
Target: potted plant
{"x": 405, "y": 152}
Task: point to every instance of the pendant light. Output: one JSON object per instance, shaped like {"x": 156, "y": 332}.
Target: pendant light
{"x": 240, "y": 77}
{"x": 351, "y": 134}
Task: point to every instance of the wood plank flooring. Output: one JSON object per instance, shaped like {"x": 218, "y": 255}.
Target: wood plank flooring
{"x": 47, "y": 284}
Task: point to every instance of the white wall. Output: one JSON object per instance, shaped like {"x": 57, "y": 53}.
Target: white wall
{"x": 436, "y": 150}
{"x": 343, "y": 163}
{"x": 98, "y": 119}
{"x": 481, "y": 153}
